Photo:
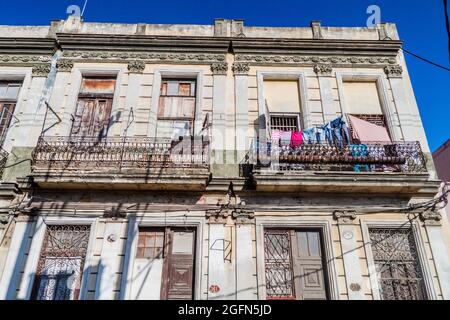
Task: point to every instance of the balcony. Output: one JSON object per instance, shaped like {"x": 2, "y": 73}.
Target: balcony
{"x": 121, "y": 162}
{"x": 365, "y": 168}
{"x": 3, "y": 159}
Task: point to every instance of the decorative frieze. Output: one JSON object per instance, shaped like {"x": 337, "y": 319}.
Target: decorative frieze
{"x": 136, "y": 66}
{"x": 64, "y": 65}
{"x": 394, "y": 71}
{"x": 431, "y": 217}
{"x": 219, "y": 68}
{"x": 240, "y": 68}
{"x": 323, "y": 69}
{"x": 41, "y": 70}
{"x": 146, "y": 56}
{"x": 24, "y": 59}
{"x": 303, "y": 59}
{"x": 344, "y": 216}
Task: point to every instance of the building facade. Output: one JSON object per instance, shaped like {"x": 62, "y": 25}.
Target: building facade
{"x": 214, "y": 162}
{"x": 441, "y": 159}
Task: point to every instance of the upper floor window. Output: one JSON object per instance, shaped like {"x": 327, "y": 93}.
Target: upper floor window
{"x": 363, "y": 103}
{"x": 176, "y": 110}
{"x": 282, "y": 100}
{"x": 9, "y": 92}
{"x": 93, "y": 111}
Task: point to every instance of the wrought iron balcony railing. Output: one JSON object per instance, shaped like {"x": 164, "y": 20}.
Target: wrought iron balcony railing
{"x": 405, "y": 157}
{"x": 119, "y": 153}
{"x": 3, "y": 159}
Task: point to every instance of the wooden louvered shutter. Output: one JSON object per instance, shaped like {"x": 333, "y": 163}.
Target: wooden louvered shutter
{"x": 101, "y": 118}
{"x": 308, "y": 265}
{"x": 6, "y": 112}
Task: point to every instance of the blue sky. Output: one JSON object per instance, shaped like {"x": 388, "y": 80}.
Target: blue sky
{"x": 421, "y": 25}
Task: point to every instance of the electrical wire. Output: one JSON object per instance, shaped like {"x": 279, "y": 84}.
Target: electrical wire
{"x": 447, "y": 25}
{"x": 426, "y": 60}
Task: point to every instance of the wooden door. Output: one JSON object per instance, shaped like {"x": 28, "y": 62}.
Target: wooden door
{"x": 178, "y": 275}
{"x": 92, "y": 117}
{"x": 308, "y": 265}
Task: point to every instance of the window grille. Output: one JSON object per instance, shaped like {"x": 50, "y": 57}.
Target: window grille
{"x": 61, "y": 263}
{"x": 284, "y": 122}
{"x": 397, "y": 264}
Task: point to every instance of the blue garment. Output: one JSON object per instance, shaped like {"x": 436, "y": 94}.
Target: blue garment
{"x": 359, "y": 150}
{"x": 339, "y": 131}
{"x": 309, "y": 135}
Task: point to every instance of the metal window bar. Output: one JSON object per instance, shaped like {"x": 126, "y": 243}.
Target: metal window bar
{"x": 397, "y": 264}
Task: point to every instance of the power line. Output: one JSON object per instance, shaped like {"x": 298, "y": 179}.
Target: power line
{"x": 426, "y": 60}
{"x": 447, "y": 25}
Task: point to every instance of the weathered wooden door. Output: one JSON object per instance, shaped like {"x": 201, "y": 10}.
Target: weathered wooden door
{"x": 92, "y": 117}
{"x": 308, "y": 265}
{"x": 178, "y": 275}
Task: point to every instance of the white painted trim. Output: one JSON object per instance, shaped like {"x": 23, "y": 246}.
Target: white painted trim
{"x": 75, "y": 84}
{"x": 287, "y": 75}
{"x": 14, "y": 128}
{"x": 386, "y": 105}
{"x": 158, "y": 74}
{"x": 296, "y": 223}
{"x": 420, "y": 244}
{"x": 35, "y": 250}
{"x": 160, "y": 221}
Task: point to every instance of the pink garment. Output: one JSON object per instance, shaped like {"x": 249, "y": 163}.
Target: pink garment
{"x": 276, "y": 135}
{"x": 365, "y": 131}
{"x": 296, "y": 139}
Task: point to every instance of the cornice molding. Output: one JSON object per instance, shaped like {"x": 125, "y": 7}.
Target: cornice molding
{"x": 261, "y": 59}
{"x": 148, "y": 57}
{"x": 24, "y": 59}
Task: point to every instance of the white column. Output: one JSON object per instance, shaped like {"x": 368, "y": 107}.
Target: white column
{"x": 131, "y": 103}
{"x": 219, "y": 111}
{"x": 14, "y": 260}
{"x": 241, "y": 98}
{"x": 109, "y": 262}
{"x": 326, "y": 93}
{"x": 30, "y": 126}
{"x": 216, "y": 268}
{"x": 440, "y": 253}
{"x": 245, "y": 265}
{"x": 52, "y": 124}
{"x": 349, "y": 245}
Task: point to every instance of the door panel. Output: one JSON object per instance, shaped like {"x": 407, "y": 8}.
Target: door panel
{"x": 178, "y": 276}
{"x": 6, "y": 112}
{"x": 308, "y": 265}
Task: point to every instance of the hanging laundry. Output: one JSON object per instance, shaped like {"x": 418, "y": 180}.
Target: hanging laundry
{"x": 365, "y": 131}
{"x": 286, "y": 138}
{"x": 296, "y": 139}
{"x": 339, "y": 131}
{"x": 276, "y": 135}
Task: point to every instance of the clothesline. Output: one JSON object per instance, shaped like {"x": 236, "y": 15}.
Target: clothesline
{"x": 335, "y": 132}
